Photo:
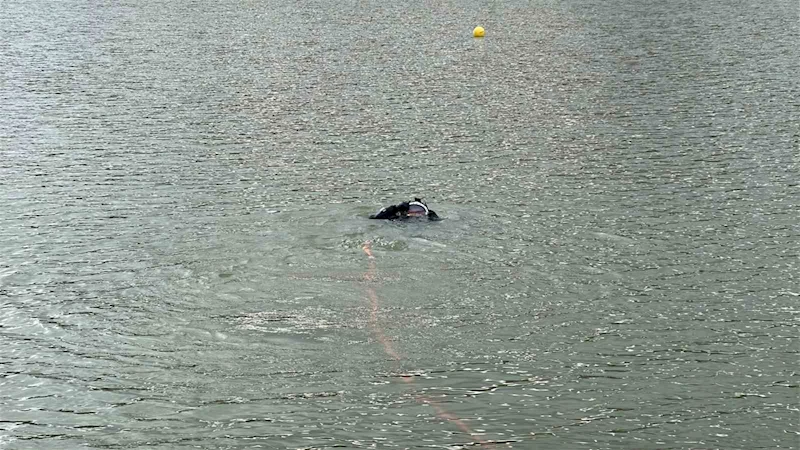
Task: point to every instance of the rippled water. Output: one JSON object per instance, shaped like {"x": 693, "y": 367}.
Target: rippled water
{"x": 185, "y": 186}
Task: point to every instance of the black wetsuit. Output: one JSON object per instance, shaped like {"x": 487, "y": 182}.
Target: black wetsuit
{"x": 400, "y": 212}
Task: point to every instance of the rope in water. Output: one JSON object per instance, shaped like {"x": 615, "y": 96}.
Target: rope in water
{"x": 388, "y": 348}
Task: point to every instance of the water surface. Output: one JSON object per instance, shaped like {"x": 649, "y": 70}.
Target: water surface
{"x": 185, "y": 186}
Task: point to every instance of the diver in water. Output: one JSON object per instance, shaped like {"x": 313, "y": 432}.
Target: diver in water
{"x": 406, "y": 210}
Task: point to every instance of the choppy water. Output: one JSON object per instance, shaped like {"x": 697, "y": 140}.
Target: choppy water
{"x": 185, "y": 186}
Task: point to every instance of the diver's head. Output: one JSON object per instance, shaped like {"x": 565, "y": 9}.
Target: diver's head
{"x": 417, "y": 208}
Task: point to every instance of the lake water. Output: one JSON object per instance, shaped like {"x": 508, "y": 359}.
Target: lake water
{"x": 184, "y": 243}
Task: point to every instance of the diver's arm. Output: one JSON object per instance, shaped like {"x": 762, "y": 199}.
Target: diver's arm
{"x": 385, "y": 213}
{"x": 391, "y": 212}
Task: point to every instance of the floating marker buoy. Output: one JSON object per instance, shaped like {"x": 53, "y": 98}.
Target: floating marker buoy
{"x": 478, "y": 32}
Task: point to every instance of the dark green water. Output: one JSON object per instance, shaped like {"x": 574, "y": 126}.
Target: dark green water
{"x": 185, "y": 188}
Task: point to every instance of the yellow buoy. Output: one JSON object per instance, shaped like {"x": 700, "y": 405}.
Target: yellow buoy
{"x": 478, "y": 32}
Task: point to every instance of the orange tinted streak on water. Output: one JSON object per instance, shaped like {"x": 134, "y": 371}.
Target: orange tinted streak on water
{"x": 441, "y": 412}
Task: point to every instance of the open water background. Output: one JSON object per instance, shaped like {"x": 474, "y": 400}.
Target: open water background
{"x": 184, "y": 188}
